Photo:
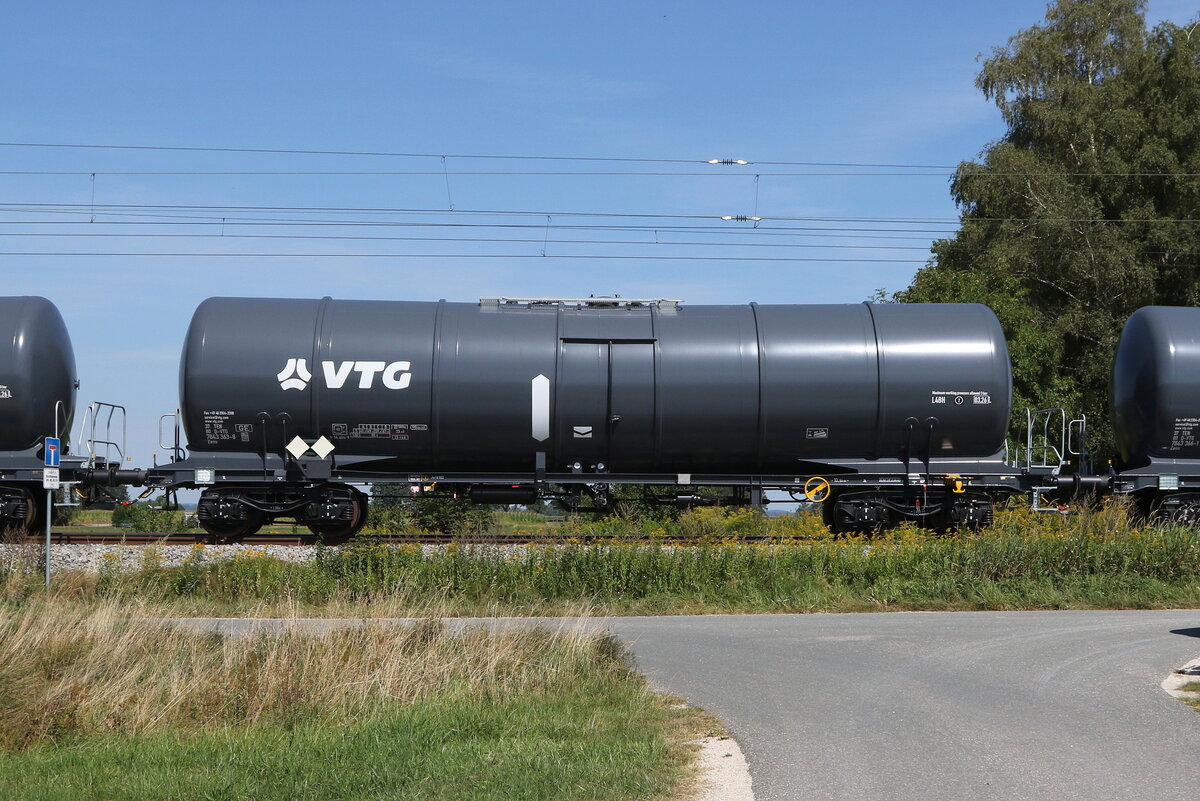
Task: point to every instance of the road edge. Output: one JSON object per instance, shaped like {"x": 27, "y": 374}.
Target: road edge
{"x": 722, "y": 771}
{"x": 1172, "y": 683}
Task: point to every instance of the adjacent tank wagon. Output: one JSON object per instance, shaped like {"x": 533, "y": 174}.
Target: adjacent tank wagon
{"x": 37, "y": 398}
{"x": 1155, "y": 392}
{"x": 895, "y": 410}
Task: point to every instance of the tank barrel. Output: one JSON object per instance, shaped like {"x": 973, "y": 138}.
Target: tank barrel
{"x": 611, "y": 385}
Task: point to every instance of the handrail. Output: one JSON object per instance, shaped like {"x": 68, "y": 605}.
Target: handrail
{"x": 176, "y": 450}
{"x": 59, "y": 406}
{"x": 90, "y": 439}
{"x": 1077, "y": 428}
{"x": 1053, "y": 416}
{"x": 601, "y": 302}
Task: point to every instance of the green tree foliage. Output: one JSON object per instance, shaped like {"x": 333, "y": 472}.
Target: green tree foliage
{"x": 1088, "y": 207}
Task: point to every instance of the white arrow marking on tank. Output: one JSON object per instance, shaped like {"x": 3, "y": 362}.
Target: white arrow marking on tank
{"x": 540, "y": 387}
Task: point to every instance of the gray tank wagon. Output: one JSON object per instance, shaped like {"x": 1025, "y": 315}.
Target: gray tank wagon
{"x": 886, "y": 412}
{"x": 37, "y": 398}
{"x": 1155, "y": 393}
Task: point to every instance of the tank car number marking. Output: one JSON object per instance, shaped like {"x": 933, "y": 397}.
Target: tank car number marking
{"x": 816, "y": 433}
{"x": 1184, "y": 434}
{"x": 216, "y": 427}
{"x": 392, "y": 431}
{"x": 5, "y": 392}
{"x": 944, "y": 397}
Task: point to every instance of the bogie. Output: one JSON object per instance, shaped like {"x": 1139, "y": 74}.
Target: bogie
{"x": 334, "y": 512}
{"x": 873, "y": 512}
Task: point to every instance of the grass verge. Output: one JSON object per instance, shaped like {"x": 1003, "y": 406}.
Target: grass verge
{"x": 98, "y": 702}
{"x": 1193, "y": 700}
{"x": 1095, "y": 559}
{"x": 1092, "y": 560}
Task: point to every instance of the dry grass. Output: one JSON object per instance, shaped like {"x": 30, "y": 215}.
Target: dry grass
{"x": 1193, "y": 700}
{"x": 69, "y": 670}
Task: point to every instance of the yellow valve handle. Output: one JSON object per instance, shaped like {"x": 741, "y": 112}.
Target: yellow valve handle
{"x": 817, "y": 489}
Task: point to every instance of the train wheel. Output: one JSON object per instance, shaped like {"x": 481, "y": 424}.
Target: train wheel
{"x": 1187, "y": 514}
{"x": 23, "y": 512}
{"x": 1181, "y": 509}
{"x": 1143, "y": 508}
{"x": 858, "y": 513}
{"x": 340, "y": 531}
{"x": 230, "y": 530}
{"x": 827, "y": 514}
{"x": 971, "y": 513}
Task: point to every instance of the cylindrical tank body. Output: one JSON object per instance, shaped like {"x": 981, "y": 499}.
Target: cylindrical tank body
{"x": 1156, "y": 385}
{"x": 37, "y": 372}
{"x": 463, "y": 387}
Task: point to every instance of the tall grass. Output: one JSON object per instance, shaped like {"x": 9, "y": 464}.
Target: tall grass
{"x": 1096, "y": 558}
{"x": 103, "y": 701}
{"x": 68, "y": 671}
{"x": 1093, "y": 559}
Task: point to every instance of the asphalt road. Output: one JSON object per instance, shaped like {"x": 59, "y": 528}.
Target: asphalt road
{"x": 933, "y": 705}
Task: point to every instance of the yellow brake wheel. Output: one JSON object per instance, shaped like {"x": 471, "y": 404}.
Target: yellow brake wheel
{"x": 816, "y": 489}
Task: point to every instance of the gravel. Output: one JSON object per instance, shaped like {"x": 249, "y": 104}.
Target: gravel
{"x": 91, "y": 558}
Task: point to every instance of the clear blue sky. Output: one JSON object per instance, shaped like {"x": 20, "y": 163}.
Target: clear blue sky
{"x": 868, "y": 82}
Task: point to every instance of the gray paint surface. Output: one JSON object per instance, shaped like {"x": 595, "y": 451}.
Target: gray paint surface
{"x": 931, "y": 706}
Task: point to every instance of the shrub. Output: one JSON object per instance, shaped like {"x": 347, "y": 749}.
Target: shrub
{"x": 144, "y": 517}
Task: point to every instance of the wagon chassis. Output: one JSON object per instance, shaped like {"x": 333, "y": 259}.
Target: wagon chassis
{"x": 242, "y": 492}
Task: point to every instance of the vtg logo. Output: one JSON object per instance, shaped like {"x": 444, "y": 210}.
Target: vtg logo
{"x": 393, "y": 375}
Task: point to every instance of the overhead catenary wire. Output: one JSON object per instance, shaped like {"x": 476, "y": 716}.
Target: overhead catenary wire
{"x": 233, "y": 222}
{"x": 725, "y": 162}
{"x": 597, "y": 256}
{"x": 540, "y": 213}
{"x": 484, "y": 240}
{"x": 657, "y": 244}
{"x": 482, "y": 156}
{"x": 275, "y": 222}
{"x": 608, "y": 226}
{"x": 594, "y": 173}
{"x": 86, "y": 207}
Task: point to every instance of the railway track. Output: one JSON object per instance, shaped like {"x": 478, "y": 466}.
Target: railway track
{"x": 423, "y": 538}
{"x": 162, "y": 538}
